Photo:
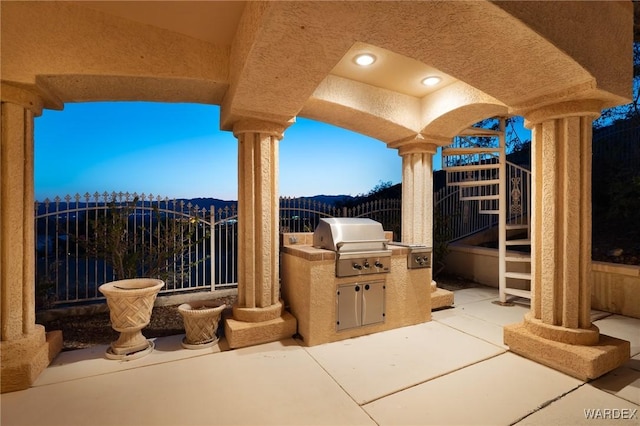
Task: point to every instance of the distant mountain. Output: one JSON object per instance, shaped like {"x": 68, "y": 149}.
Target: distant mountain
{"x": 327, "y": 199}
{"x": 207, "y": 203}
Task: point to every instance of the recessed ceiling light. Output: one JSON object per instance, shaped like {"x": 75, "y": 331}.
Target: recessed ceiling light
{"x": 364, "y": 59}
{"x": 431, "y": 81}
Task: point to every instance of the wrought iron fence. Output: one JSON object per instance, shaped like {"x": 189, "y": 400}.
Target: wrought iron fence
{"x": 617, "y": 148}
{"x": 68, "y": 272}
{"x": 70, "y": 267}
{"x": 303, "y": 214}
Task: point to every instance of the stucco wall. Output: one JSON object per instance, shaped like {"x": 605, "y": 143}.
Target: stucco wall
{"x": 615, "y": 288}
{"x": 480, "y": 264}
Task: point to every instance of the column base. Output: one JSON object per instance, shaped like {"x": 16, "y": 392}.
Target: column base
{"x": 440, "y": 297}
{"x": 24, "y": 359}
{"x": 258, "y": 314}
{"x": 240, "y": 334}
{"x": 580, "y": 361}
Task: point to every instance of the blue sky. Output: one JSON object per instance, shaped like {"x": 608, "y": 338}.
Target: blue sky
{"x": 178, "y": 151}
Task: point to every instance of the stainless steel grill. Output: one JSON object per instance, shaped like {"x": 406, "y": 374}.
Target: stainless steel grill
{"x": 360, "y": 245}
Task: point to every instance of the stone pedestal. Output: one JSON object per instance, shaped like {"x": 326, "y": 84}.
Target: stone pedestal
{"x": 440, "y": 298}
{"x": 558, "y": 330}
{"x": 25, "y": 347}
{"x": 258, "y": 315}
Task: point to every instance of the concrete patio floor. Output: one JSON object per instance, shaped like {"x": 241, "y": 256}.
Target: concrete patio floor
{"x": 453, "y": 370}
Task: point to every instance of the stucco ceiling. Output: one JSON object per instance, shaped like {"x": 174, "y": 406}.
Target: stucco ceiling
{"x": 277, "y": 60}
{"x": 211, "y": 21}
{"x": 390, "y": 71}
{"x": 216, "y": 22}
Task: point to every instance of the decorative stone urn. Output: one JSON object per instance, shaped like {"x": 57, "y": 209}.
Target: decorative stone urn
{"x": 201, "y": 320}
{"x": 130, "y": 304}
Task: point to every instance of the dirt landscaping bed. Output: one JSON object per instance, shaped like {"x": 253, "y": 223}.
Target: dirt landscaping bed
{"x": 86, "y": 330}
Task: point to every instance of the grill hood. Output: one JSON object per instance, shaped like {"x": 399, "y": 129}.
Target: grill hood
{"x": 346, "y": 234}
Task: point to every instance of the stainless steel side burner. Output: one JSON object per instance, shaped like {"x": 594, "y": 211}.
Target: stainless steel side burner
{"x": 360, "y": 245}
{"x": 419, "y": 255}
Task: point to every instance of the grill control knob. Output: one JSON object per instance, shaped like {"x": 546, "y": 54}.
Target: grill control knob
{"x": 378, "y": 264}
{"x": 357, "y": 266}
{"x": 366, "y": 264}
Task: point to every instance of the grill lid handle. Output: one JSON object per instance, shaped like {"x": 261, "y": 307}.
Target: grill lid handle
{"x": 384, "y": 241}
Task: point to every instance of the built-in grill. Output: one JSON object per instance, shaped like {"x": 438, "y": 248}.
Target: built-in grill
{"x": 360, "y": 245}
{"x": 347, "y": 279}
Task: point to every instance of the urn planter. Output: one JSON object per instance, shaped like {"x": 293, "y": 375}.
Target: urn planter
{"x": 201, "y": 319}
{"x": 130, "y": 304}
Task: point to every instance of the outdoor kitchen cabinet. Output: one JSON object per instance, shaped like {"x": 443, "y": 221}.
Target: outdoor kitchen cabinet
{"x": 360, "y": 304}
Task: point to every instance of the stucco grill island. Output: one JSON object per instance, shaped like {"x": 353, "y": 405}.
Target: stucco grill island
{"x": 347, "y": 279}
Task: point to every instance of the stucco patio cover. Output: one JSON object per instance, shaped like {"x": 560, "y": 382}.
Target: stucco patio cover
{"x": 266, "y": 63}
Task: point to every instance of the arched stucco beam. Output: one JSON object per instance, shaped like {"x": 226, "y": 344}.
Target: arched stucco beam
{"x": 75, "y": 50}
{"x": 92, "y": 88}
{"x": 453, "y": 108}
{"x": 293, "y": 46}
{"x": 567, "y": 32}
{"x": 355, "y": 120}
{"x": 489, "y": 48}
{"x": 288, "y": 47}
{"x": 379, "y": 113}
{"x": 453, "y": 122}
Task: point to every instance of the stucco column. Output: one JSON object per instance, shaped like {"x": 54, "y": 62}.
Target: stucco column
{"x": 417, "y": 193}
{"x": 417, "y": 201}
{"x": 258, "y": 315}
{"x": 558, "y": 330}
{"x": 26, "y": 348}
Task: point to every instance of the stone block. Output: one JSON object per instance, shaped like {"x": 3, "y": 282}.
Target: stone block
{"x": 579, "y": 361}
{"x": 240, "y": 334}
{"x": 441, "y": 298}
{"x": 24, "y": 360}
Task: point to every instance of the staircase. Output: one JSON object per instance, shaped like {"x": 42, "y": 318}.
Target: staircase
{"x": 476, "y": 164}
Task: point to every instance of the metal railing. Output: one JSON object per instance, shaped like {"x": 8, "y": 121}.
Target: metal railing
{"x": 67, "y": 272}
{"x": 617, "y": 147}
{"x": 464, "y": 217}
{"x": 174, "y": 234}
{"x": 303, "y": 214}
{"x": 518, "y": 195}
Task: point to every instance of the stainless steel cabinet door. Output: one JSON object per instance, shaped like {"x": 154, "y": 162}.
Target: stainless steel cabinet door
{"x": 360, "y": 304}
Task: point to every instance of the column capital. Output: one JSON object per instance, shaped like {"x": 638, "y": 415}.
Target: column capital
{"x": 31, "y": 97}
{"x": 20, "y": 96}
{"x": 585, "y": 107}
{"x": 418, "y": 144}
{"x": 254, "y": 125}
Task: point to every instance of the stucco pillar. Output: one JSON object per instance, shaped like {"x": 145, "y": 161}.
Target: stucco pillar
{"x": 417, "y": 202}
{"x": 258, "y": 315}
{"x": 417, "y": 193}
{"x": 26, "y": 348}
{"x": 558, "y": 330}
